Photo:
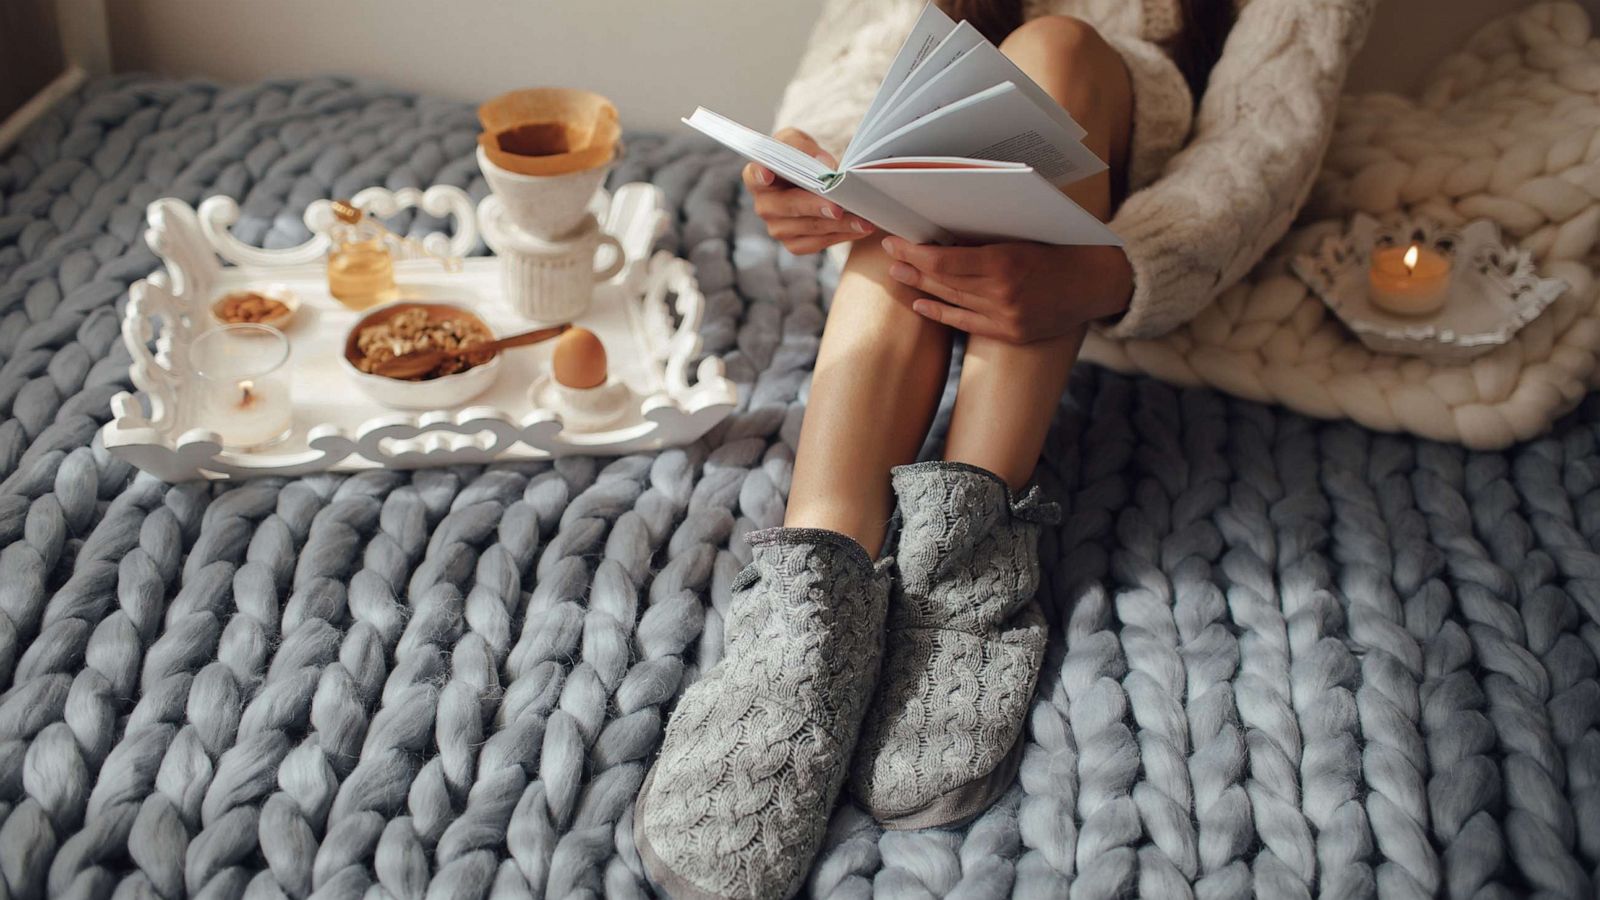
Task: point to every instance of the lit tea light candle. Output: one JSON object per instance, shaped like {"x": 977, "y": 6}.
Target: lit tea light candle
{"x": 1408, "y": 282}
{"x": 244, "y": 384}
{"x": 250, "y": 415}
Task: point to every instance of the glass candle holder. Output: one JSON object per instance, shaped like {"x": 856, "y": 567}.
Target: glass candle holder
{"x": 243, "y": 384}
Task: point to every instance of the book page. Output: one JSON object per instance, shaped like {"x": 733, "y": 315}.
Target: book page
{"x": 811, "y": 175}
{"x": 999, "y": 123}
{"x": 961, "y": 40}
{"x": 931, "y": 27}
{"x": 937, "y": 162}
{"x": 981, "y": 67}
{"x": 986, "y": 205}
{"x": 790, "y": 163}
{"x": 989, "y": 66}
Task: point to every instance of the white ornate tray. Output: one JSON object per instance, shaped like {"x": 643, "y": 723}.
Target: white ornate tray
{"x": 339, "y": 428}
{"x": 1494, "y": 292}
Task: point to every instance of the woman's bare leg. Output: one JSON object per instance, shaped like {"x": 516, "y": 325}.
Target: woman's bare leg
{"x": 881, "y": 367}
{"x": 1009, "y": 392}
{"x": 879, "y": 374}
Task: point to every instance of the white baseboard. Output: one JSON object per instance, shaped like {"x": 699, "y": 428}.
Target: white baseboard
{"x": 40, "y": 103}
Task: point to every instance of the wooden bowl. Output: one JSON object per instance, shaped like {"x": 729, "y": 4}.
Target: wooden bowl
{"x": 443, "y": 392}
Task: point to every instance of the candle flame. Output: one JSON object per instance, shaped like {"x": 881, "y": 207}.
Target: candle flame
{"x": 246, "y": 393}
{"x": 1411, "y": 259}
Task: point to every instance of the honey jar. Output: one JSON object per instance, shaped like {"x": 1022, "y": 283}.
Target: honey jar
{"x": 361, "y": 265}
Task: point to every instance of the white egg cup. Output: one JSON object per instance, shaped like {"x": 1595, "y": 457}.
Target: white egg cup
{"x": 585, "y": 409}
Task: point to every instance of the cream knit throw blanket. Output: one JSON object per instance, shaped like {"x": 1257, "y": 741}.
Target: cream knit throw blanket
{"x": 1508, "y": 129}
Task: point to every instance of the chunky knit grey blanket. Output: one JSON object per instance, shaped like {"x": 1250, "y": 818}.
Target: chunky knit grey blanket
{"x": 1287, "y": 657}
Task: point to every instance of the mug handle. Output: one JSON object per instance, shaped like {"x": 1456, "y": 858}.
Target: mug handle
{"x": 618, "y": 258}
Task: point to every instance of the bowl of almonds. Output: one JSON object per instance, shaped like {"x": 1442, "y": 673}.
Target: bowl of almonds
{"x": 272, "y": 305}
{"x": 408, "y": 326}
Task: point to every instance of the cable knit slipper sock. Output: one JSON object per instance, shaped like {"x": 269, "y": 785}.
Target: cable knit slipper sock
{"x": 757, "y": 750}
{"x": 929, "y": 772}
{"x": 965, "y": 641}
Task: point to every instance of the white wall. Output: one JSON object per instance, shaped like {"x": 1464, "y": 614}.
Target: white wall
{"x": 656, "y": 59}
{"x": 1409, "y": 36}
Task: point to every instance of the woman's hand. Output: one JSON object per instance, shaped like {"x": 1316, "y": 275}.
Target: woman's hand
{"x": 800, "y": 220}
{"x": 1014, "y": 292}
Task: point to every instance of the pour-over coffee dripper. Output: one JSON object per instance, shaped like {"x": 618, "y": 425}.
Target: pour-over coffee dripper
{"x": 545, "y": 152}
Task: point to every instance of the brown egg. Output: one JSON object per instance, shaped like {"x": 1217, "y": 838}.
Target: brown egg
{"x": 579, "y": 360}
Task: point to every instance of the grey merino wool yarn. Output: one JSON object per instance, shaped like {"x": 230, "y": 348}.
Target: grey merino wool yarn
{"x": 1286, "y": 658}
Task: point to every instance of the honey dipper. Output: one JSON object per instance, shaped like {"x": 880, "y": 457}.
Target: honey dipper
{"x": 350, "y": 214}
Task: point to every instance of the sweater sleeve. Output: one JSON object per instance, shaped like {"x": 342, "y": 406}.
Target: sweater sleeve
{"x": 1263, "y": 125}
{"x": 850, "y": 50}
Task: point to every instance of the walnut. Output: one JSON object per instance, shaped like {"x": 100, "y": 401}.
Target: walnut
{"x": 413, "y": 330}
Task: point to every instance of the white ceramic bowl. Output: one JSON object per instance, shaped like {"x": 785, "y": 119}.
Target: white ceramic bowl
{"x": 435, "y": 393}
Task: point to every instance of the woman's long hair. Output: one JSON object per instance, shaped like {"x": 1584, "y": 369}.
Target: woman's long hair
{"x": 1205, "y": 27}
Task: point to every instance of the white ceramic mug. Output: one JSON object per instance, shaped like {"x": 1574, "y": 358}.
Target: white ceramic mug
{"x": 549, "y": 281}
{"x": 548, "y": 207}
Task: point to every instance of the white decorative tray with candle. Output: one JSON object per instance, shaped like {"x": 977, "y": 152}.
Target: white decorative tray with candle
{"x": 291, "y": 399}
{"x": 1415, "y": 288}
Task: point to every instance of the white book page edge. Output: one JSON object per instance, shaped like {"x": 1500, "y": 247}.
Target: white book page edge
{"x": 931, "y": 27}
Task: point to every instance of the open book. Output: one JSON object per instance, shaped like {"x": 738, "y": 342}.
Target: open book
{"x": 958, "y": 146}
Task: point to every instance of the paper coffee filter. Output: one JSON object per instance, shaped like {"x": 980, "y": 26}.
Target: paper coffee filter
{"x": 556, "y": 130}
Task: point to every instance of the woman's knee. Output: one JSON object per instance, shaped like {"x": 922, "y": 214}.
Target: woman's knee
{"x": 871, "y": 309}
{"x": 866, "y": 272}
{"x": 1080, "y": 69}
{"x": 1059, "y": 41}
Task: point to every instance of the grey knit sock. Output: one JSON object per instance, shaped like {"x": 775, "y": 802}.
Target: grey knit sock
{"x": 965, "y": 641}
{"x": 757, "y": 750}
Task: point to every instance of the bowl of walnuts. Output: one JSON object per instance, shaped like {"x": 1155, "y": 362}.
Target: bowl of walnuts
{"x": 408, "y": 326}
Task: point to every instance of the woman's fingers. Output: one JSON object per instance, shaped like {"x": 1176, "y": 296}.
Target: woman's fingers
{"x": 803, "y": 246}
{"x": 795, "y": 203}
{"x": 800, "y": 226}
{"x": 803, "y": 222}
{"x": 961, "y": 290}
{"x": 799, "y": 140}
{"x": 962, "y": 319}
{"x": 936, "y": 260}
{"x": 759, "y": 179}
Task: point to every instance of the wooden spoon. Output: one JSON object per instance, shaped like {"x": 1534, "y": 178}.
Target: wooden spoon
{"x": 420, "y": 362}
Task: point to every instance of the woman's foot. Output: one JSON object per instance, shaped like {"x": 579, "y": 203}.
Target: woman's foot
{"x": 757, "y": 750}
{"x": 965, "y": 642}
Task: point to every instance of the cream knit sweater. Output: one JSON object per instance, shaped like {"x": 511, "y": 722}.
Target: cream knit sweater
{"x": 1211, "y": 192}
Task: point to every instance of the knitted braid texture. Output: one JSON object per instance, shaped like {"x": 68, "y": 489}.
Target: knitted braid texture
{"x": 757, "y": 750}
{"x": 965, "y": 638}
{"x": 1284, "y": 658}
{"x": 1507, "y": 130}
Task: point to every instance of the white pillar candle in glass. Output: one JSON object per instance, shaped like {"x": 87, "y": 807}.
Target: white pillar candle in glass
{"x": 243, "y": 384}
